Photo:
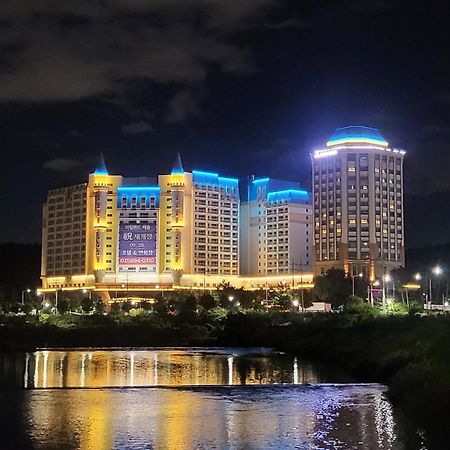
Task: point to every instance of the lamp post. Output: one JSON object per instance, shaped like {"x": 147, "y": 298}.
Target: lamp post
{"x": 360, "y": 275}
{"x": 436, "y": 270}
{"x": 28, "y": 290}
{"x": 386, "y": 278}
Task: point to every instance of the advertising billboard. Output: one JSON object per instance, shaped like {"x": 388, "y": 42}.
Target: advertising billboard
{"x": 137, "y": 243}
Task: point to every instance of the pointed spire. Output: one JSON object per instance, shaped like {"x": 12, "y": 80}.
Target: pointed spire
{"x": 178, "y": 166}
{"x": 101, "y": 166}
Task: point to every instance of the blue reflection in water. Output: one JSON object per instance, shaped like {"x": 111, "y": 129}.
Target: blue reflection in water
{"x": 216, "y": 399}
{"x": 328, "y": 417}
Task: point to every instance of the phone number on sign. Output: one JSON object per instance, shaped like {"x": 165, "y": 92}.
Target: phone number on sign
{"x": 137, "y": 260}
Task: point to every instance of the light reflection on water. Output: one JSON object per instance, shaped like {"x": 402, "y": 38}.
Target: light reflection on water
{"x": 250, "y": 417}
{"x": 204, "y": 404}
{"x": 134, "y": 368}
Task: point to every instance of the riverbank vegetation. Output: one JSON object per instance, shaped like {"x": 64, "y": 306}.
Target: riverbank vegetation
{"x": 401, "y": 346}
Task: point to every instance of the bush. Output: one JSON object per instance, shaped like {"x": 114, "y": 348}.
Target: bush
{"x": 357, "y": 305}
{"x": 134, "y": 312}
{"x": 207, "y": 301}
{"x": 397, "y": 308}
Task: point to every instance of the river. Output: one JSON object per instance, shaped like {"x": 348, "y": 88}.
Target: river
{"x": 215, "y": 398}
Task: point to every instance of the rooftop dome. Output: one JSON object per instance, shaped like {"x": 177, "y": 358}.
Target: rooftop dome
{"x": 357, "y": 135}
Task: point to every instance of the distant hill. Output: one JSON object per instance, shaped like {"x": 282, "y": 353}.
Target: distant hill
{"x": 427, "y": 219}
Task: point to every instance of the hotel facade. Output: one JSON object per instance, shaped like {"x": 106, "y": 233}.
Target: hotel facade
{"x": 358, "y": 204}
{"x": 181, "y": 230}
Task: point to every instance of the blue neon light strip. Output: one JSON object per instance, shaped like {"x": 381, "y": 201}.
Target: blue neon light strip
{"x": 137, "y": 191}
{"x": 205, "y": 174}
{"x": 100, "y": 172}
{"x": 356, "y": 139}
{"x": 228, "y": 181}
{"x": 138, "y": 188}
{"x": 289, "y": 194}
{"x": 212, "y": 178}
{"x": 261, "y": 180}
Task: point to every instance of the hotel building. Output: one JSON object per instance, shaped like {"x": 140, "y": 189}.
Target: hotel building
{"x": 180, "y": 230}
{"x": 358, "y": 203}
{"x": 276, "y": 222}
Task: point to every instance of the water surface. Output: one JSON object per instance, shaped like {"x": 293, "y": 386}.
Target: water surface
{"x": 186, "y": 399}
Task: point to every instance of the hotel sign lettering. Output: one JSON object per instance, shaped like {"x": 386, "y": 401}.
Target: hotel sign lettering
{"x": 137, "y": 243}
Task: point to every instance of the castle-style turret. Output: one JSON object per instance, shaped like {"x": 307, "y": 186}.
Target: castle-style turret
{"x": 177, "y": 187}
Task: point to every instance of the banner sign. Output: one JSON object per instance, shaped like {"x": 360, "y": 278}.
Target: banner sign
{"x": 137, "y": 243}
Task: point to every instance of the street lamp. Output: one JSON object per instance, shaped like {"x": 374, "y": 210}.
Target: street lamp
{"x": 28, "y": 290}
{"x": 386, "y": 278}
{"x": 231, "y": 298}
{"x": 417, "y": 276}
{"x": 360, "y": 275}
{"x": 436, "y": 270}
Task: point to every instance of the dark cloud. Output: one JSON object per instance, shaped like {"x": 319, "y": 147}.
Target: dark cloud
{"x": 184, "y": 104}
{"x": 64, "y": 50}
{"x": 137, "y": 128}
{"x": 288, "y": 24}
{"x": 62, "y": 164}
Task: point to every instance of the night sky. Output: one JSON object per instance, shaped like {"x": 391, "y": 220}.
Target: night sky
{"x": 240, "y": 87}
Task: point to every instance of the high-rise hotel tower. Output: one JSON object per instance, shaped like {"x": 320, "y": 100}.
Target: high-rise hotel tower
{"x": 358, "y": 203}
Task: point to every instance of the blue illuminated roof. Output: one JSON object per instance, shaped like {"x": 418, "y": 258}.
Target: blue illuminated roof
{"x": 138, "y": 192}
{"x": 178, "y": 166}
{"x": 212, "y": 178}
{"x": 290, "y": 195}
{"x": 355, "y": 134}
{"x": 272, "y": 190}
{"x": 101, "y": 166}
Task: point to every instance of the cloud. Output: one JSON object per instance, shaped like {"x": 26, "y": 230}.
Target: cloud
{"x": 288, "y": 24}
{"x": 66, "y": 51}
{"x": 184, "y": 104}
{"x": 137, "y": 128}
{"x": 62, "y": 164}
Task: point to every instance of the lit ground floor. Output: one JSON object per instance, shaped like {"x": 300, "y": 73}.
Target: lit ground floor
{"x": 122, "y": 285}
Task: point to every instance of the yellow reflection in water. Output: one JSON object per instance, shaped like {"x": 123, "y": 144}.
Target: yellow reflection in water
{"x": 48, "y": 369}
{"x": 97, "y": 431}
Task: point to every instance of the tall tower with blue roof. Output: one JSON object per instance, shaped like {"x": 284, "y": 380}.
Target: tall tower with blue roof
{"x": 358, "y": 203}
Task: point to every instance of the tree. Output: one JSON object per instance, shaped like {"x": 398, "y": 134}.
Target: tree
{"x": 281, "y": 298}
{"x": 245, "y": 298}
{"x": 225, "y": 292}
{"x": 63, "y": 305}
{"x": 126, "y": 306}
{"x": 333, "y": 287}
{"x": 87, "y": 304}
{"x": 188, "y": 309}
{"x": 160, "y": 307}
{"x": 207, "y": 301}
{"x": 99, "y": 306}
